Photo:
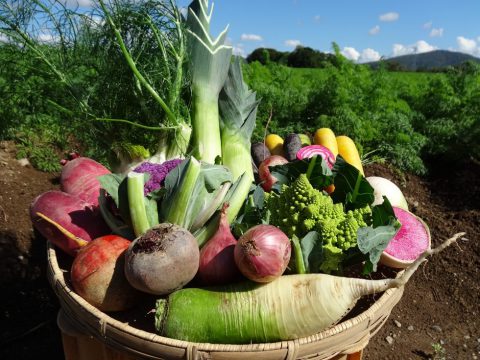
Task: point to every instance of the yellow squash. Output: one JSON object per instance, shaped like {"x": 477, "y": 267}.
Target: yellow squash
{"x": 348, "y": 150}
{"x": 326, "y": 137}
{"x": 274, "y": 143}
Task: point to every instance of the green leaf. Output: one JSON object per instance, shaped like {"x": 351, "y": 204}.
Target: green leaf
{"x": 118, "y": 226}
{"x": 351, "y": 187}
{"x": 111, "y": 183}
{"x": 116, "y": 186}
{"x": 297, "y": 252}
{"x": 251, "y": 213}
{"x": 190, "y": 189}
{"x": 383, "y": 214}
{"x": 320, "y": 174}
{"x": 312, "y": 251}
{"x": 373, "y": 241}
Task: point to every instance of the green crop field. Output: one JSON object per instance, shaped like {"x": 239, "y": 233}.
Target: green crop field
{"x": 82, "y": 95}
{"x": 404, "y": 117}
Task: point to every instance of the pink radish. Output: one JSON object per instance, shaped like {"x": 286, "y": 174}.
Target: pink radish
{"x": 409, "y": 243}
{"x": 65, "y": 220}
{"x": 79, "y": 177}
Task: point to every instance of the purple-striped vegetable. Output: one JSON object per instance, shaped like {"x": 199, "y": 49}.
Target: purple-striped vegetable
{"x": 312, "y": 150}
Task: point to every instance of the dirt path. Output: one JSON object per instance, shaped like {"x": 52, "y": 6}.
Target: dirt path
{"x": 441, "y": 304}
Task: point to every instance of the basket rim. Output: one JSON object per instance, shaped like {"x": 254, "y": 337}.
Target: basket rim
{"x": 64, "y": 289}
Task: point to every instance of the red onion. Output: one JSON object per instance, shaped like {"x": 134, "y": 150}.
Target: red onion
{"x": 312, "y": 150}
{"x": 217, "y": 264}
{"x": 262, "y": 253}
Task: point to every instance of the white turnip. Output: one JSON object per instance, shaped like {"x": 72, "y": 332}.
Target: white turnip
{"x": 384, "y": 187}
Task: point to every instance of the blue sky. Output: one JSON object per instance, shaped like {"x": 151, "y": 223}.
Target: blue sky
{"x": 365, "y": 30}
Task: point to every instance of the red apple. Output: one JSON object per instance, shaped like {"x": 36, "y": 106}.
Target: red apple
{"x": 267, "y": 179}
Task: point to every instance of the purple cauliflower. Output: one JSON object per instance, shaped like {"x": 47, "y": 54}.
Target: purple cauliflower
{"x": 158, "y": 173}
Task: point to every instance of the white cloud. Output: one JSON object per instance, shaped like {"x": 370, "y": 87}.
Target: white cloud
{"x": 468, "y": 46}
{"x": 436, "y": 32}
{"x": 316, "y": 18}
{"x": 81, "y": 3}
{"x": 251, "y": 37}
{"x": 239, "y": 50}
{"x": 47, "y": 38}
{"x": 375, "y": 30}
{"x": 368, "y": 55}
{"x": 350, "y": 53}
{"x": 427, "y": 25}
{"x": 420, "y": 46}
{"x": 389, "y": 17}
{"x": 4, "y": 38}
{"x": 292, "y": 43}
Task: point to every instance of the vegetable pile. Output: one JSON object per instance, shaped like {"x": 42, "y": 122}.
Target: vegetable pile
{"x": 236, "y": 241}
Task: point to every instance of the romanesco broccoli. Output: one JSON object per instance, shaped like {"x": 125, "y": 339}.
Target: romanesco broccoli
{"x": 300, "y": 208}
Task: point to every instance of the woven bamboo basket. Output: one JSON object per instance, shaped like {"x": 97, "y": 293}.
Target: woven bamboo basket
{"x": 89, "y": 334}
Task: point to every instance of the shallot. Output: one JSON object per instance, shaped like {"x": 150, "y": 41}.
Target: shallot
{"x": 262, "y": 253}
{"x": 217, "y": 264}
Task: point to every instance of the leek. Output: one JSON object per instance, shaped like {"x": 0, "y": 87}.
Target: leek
{"x": 238, "y": 110}
{"x": 180, "y": 185}
{"x": 209, "y": 63}
{"x": 194, "y": 191}
{"x": 235, "y": 197}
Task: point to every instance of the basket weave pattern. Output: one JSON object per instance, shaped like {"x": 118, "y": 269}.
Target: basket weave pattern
{"x": 347, "y": 337}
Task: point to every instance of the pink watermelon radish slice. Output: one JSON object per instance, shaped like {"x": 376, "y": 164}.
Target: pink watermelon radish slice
{"x": 409, "y": 243}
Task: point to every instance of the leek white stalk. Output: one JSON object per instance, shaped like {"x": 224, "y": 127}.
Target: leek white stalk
{"x": 209, "y": 64}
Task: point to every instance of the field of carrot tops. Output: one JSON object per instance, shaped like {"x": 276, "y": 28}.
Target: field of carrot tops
{"x": 437, "y": 317}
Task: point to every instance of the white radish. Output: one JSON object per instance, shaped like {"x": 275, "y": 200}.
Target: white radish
{"x": 289, "y": 307}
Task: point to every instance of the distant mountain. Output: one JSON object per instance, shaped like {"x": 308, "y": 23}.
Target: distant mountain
{"x": 436, "y": 59}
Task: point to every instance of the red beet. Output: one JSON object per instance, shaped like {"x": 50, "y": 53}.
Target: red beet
{"x": 79, "y": 177}
{"x": 164, "y": 259}
{"x": 217, "y": 263}
{"x": 97, "y": 274}
{"x": 71, "y": 221}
